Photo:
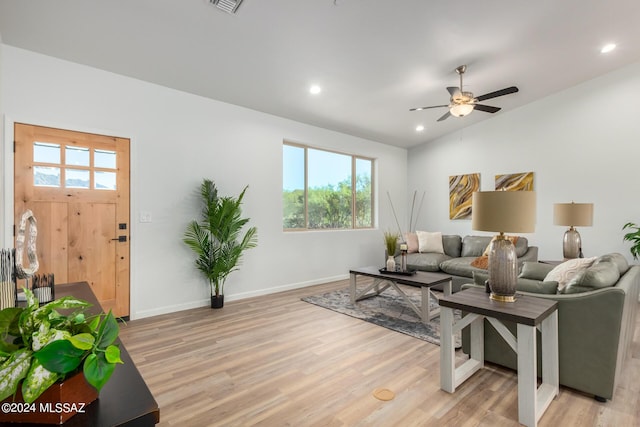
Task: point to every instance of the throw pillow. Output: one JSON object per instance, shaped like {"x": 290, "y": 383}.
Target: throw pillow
{"x": 412, "y": 242}
{"x": 481, "y": 262}
{"x": 600, "y": 275}
{"x": 563, "y": 273}
{"x": 535, "y": 270}
{"x": 430, "y": 242}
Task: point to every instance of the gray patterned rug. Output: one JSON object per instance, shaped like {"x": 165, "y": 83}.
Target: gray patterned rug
{"x": 388, "y": 310}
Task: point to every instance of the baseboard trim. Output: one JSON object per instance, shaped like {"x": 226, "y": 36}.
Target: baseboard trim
{"x": 234, "y": 297}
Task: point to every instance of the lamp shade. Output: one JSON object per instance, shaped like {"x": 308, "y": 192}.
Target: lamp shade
{"x": 573, "y": 214}
{"x": 504, "y": 211}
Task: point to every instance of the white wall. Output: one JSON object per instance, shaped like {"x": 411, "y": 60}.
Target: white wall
{"x": 583, "y": 144}
{"x": 177, "y": 139}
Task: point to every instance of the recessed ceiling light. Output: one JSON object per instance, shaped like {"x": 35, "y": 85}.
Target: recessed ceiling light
{"x": 419, "y": 128}
{"x": 315, "y": 89}
{"x": 608, "y": 48}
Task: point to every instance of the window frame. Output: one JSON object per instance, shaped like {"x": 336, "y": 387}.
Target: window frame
{"x": 353, "y": 204}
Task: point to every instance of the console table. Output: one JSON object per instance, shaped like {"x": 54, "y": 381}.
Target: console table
{"x": 530, "y": 314}
{"x": 125, "y": 400}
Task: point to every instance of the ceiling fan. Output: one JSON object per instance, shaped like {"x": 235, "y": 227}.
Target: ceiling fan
{"x": 463, "y": 103}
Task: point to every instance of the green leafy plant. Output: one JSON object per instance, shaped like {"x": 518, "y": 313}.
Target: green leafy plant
{"x": 634, "y": 238}
{"x": 40, "y": 346}
{"x": 390, "y": 242}
{"x": 216, "y": 237}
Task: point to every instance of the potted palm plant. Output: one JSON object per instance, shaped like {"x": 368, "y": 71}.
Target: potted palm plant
{"x": 634, "y": 238}
{"x": 217, "y": 238}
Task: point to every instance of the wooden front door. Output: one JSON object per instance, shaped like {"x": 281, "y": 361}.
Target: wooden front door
{"x": 77, "y": 186}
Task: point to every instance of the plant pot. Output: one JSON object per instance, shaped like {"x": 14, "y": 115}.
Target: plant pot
{"x": 217, "y": 301}
{"x": 56, "y": 405}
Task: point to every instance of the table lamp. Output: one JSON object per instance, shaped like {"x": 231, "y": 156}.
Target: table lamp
{"x": 503, "y": 211}
{"x": 572, "y": 214}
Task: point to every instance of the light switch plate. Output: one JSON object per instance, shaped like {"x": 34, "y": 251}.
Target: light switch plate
{"x": 145, "y": 216}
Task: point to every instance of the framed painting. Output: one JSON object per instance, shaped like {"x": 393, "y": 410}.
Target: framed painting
{"x": 515, "y": 181}
{"x": 461, "y": 188}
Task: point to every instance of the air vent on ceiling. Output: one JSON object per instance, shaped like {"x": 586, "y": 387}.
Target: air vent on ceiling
{"x": 229, "y": 6}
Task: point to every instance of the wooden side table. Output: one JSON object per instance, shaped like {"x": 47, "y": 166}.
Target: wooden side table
{"x": 530, "y": 314}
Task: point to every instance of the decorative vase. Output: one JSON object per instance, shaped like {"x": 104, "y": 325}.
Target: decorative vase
{"x": 56, "y": 405}
{"x": 391, "y": 263}
{"x": 217, "y": 301}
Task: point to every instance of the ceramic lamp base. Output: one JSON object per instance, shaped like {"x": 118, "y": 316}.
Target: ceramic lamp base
{"x": 503, "y": 269}
{"x": 571, "y": 244}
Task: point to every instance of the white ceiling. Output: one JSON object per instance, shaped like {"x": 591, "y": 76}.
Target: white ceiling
{"x": 374, "y": 59}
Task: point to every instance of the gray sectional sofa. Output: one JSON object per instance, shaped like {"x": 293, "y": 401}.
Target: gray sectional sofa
{"x": 458, "y": 255}
{"x": 596, "y": 322}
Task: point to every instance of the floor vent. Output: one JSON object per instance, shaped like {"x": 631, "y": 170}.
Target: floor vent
{"x": 229, "y": 6}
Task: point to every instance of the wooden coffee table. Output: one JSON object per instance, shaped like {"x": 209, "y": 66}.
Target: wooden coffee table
{"x": 383, "y": 281}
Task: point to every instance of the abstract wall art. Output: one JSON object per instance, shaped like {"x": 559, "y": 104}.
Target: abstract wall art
{"x": 515, "y": 181}
{"x": 461, "y": 188}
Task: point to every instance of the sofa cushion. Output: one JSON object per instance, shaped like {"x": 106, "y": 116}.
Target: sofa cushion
{"x": 618, "y": 259}
{"x": 522, "y": 246}
{"x": 426, "y": 262}
{"x": 430, "y": 242}
{"x": 600, "y": 275}
{"x": 459, "y": 266}
{"x": 535, "y": 270}
{"x": 563, "y": 273}
{"x": 412, "y": 242}
{"x": 474, "y": 246}
{"x": 452, "y": 244}
{"x": 523, "y": 285}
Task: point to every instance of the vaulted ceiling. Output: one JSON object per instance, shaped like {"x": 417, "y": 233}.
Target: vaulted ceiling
{"x": 372, "y": 59}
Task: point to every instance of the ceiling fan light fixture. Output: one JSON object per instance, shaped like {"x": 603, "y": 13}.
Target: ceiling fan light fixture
{"x": 461, "y": 110}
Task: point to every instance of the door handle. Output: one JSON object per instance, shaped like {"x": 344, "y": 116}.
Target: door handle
{"x": 121, "y": 238}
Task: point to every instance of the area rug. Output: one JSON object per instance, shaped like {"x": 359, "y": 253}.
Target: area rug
{"x": 388, "y": 309}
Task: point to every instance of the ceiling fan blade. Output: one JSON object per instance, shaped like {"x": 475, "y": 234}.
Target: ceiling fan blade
{"x": 426, "y": 108}
{"x": 453, "y": 90}
{"x": 486, "y": 108}
{"x": 444, "y": 117}
{"x": 497, "y": 93}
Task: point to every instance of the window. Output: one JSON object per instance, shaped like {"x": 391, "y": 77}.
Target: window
{"x": 325, "y": 190}
{"x": 77, "y": 164}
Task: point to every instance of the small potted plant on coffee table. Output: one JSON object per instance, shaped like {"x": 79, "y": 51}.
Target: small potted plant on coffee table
{"x": 391, "y": 242}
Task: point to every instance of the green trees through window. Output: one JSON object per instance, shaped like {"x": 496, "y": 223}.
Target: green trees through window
{"x": 325, "y": 190}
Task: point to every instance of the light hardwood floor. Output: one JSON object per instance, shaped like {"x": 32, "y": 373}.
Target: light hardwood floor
{"x": 277, "y": 361}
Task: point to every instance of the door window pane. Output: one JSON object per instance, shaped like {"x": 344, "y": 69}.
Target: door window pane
{"x": 76, "y": 178}
{"x": 46, "y": 177}
{"x": 77, "y": 156}
{"x": 105, "y": 180}
{"x": 104, "y": 159}
{"x": 44, "y": 152}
